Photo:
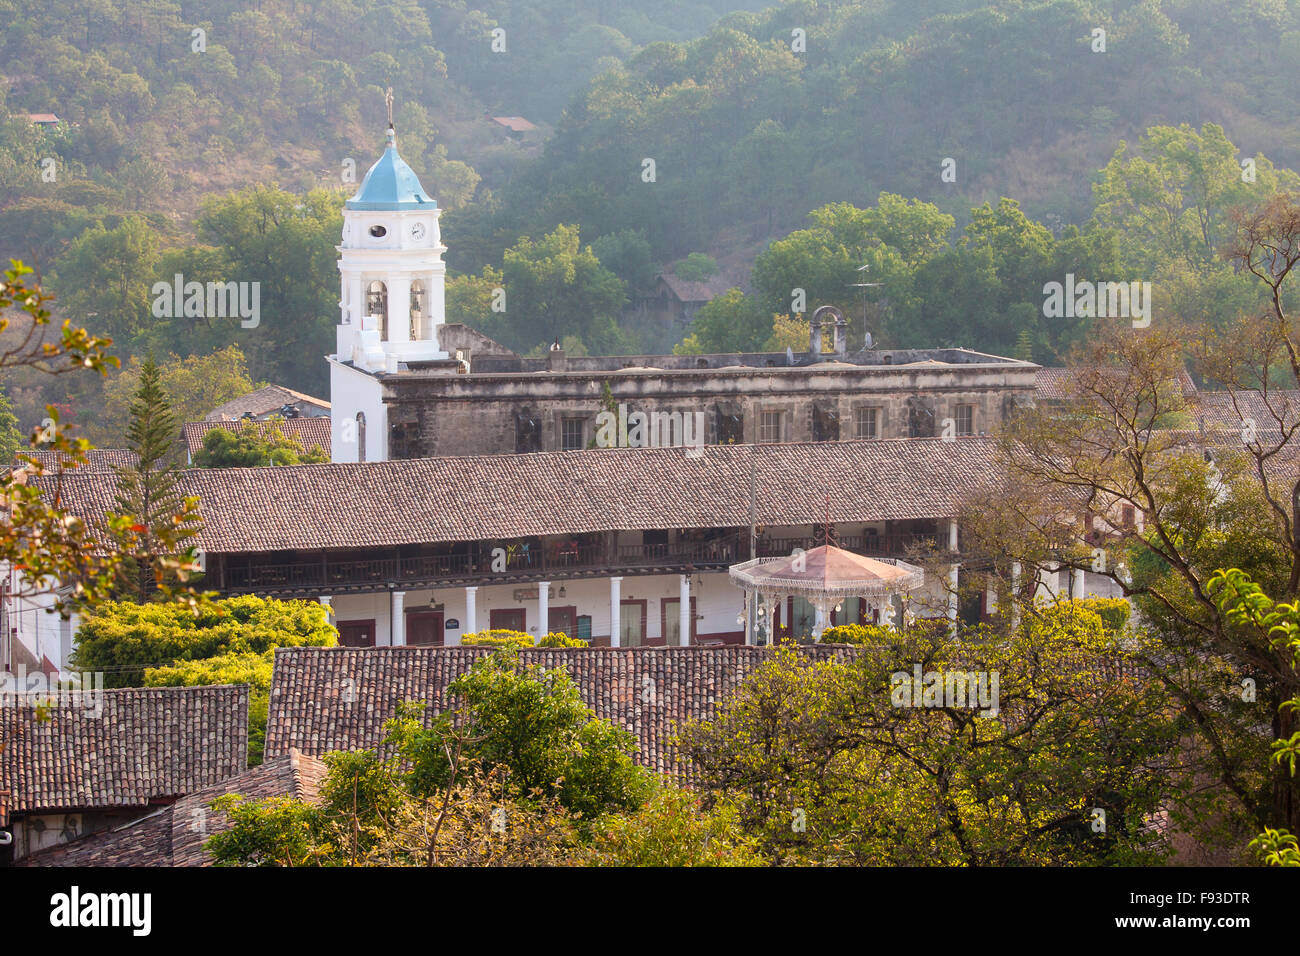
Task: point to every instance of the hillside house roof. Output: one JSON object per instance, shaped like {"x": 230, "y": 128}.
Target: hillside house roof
{"x": 694, "y": 292}
{"x": 516, "y": 124}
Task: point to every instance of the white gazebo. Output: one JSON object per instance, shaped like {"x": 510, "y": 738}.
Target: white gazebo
{"x": 824, "y": 577}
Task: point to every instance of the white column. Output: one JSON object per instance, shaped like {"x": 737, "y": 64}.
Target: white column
{"x": 471, "y": 611}
{"x": 327, "y": 602}
{"x": 952, "y": 593}
{"x": 684, "y": 616}
{"x": 1049, "y": 582}
{"x": 1015, "y": 593}
{"x": 399, "y": 309}
{"x": 397, "y": 620}
{"x": 1077, "y": 583}
{"x": 356, "y": 306}
{"x": 952, "y": 573}
{"x": 543, "y": 609}
{"x": 435, "y": 306}
{"x": 615, "y": 595}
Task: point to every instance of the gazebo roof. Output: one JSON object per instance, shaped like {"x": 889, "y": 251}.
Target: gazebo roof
{"x": 828, "y": 571}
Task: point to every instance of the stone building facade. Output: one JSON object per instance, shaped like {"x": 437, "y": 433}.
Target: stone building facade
{"x": 506, "y": 404}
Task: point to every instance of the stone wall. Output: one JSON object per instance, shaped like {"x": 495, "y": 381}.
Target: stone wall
{"x": 503, "y": 413}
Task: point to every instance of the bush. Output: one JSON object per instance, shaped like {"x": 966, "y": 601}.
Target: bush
{"x": 1114, "y": 612}
{"x": 501, "y": 637}
{"x": 518, "y": 639}
{"x": 560, "y": 639}
{"x": 673, "y": 830}
{"x": 858, "y": 634}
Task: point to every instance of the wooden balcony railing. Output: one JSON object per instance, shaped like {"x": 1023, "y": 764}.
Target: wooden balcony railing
{"x": 534, "y": 560}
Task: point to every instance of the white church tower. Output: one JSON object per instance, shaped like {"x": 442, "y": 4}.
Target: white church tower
{"x": 393, "y": 280}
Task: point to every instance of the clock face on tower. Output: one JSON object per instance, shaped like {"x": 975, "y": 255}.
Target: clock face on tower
{"x": 417, "y": 230}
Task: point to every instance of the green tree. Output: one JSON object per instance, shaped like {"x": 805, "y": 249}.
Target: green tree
{"x": 1245, "y": 604}
{"x": 255, "y": 445}
{"x": 147, "y": 491}
{"x": 534, "y": 723}
{"x": 672, "y": 829}
{"x": 103, "y": 279}
{"x": 285, "y": 242}
{"x": 11, "y": 439}
{"x": 697, "y": 267}
{"x": 846, "y": 762}
{"x": 731, "y": 322}
{"x": 556, "y": 285}
{"x": 1169, "y": 197}
{"x": 195, "y": 385}
{"x": 124, "y": 638}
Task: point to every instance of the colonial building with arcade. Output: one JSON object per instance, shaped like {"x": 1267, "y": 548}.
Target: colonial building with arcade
{"x": 465, "y": 492}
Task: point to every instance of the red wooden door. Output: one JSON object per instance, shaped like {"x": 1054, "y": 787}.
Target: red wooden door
{"x": 424, "y": 628}
{"x": 357, "y": 633}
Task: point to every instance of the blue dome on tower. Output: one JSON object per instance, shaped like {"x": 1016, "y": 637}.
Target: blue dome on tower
{"x": 391, "y": 185}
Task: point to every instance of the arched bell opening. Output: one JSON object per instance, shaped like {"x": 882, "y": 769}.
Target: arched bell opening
{"x": 377, "y": 306}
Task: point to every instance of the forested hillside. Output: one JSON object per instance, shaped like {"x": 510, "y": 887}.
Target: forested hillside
{"x": 216, "y": 140}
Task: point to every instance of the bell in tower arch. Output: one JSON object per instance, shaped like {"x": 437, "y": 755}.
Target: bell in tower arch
{"x": 417, "y": 310}
{"x": 377, "y": 306}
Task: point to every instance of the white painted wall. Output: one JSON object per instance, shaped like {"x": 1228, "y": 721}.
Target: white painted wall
{"x": 352, "y": 391}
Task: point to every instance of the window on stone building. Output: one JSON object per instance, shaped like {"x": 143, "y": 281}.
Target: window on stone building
{"x": 730, "y": 422}
{"x": 571, "y": 434}
{"x": 866, "y": 422}
{"x": 965, "y": 419}
{"x": 769, "y": 426}
{"x": 826, "y": 421}
{"x": 920, "y": 418}
{"x": 528, "y": 431}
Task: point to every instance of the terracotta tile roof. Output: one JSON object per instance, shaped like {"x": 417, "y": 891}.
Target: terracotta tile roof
{"x": 175, "y": 835}
{"x": 146, "y": 744}
{"x": 326, "y": 699}
{"x": 310, "y": 431}
{"x": 431, "y": 500}
{"x": 1217, "y": 409}
{"x": 97, "y": 459}
{"x": 262, "y": 401}
{"x": 1052, "y": 384}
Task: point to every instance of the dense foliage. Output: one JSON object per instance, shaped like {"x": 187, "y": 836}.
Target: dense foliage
{"x": 123, "y": 639}
{"x": 254, "y": 445}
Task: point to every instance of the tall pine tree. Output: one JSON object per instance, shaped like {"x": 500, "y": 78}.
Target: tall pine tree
{"x": 147, "y": 491}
